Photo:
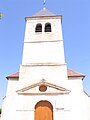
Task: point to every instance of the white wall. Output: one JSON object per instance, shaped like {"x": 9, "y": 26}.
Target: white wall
{"x": 43, "y": 47}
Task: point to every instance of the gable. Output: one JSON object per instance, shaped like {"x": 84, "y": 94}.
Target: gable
{"x": 43, "y": 88}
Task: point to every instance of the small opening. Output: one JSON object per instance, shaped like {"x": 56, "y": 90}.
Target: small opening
{"x": 38, "y": 28}
{"x": 42, "y": 88}
{"x": 47, "y": 27}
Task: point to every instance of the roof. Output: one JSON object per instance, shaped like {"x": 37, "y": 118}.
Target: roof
{"x": 44, "y": 12}
{"x": 15, "y": 75}
{"x": 70, "y": 73}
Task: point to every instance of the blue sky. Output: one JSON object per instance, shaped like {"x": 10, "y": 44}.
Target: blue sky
{"x": 76, "y": 34}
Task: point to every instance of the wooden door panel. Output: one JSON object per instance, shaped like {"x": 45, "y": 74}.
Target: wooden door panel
{"x": 43, "y": 111}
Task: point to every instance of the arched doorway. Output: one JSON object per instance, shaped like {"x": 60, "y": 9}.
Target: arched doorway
{"x": 43, "y": 111}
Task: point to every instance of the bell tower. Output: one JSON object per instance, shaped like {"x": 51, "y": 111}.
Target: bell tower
{"x": 43, "y": 41}
{"x": 43, "y": 52}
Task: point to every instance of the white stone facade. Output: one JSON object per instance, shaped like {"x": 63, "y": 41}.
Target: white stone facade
{"x": 43, "y": 62}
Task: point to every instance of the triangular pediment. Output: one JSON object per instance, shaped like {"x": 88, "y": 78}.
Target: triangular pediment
{"x": 43, "y": 88}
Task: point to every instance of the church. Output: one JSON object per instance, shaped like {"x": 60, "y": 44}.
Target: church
{"x": 44, "y": 88}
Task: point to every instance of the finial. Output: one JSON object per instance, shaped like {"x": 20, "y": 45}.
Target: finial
{"x": 44, "y": 3}
{"x": 43, "y": 80}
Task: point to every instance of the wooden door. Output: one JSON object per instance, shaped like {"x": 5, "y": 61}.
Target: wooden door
{"x": 43, "y": 111}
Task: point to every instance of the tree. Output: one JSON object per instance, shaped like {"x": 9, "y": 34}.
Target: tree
{"x": 0, "y": 110}
{"x": 1, "y": 15}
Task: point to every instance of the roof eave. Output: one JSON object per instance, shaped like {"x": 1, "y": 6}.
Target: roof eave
{"x": 43, "y": 17}
{"x": 12, "y": 78}
{"x": 81, "y": 77}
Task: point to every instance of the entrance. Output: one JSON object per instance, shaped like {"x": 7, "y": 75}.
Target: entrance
{"x": 43, "y": 111}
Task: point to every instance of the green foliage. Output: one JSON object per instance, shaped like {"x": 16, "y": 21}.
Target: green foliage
{"x": 0, "y": 110}
{"x": 1, "y": 15}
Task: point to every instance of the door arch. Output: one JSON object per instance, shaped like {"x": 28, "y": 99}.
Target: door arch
{"x": 43, "y": 111}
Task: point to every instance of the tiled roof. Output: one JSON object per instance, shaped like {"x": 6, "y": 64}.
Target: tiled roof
{"x": 44, "y": 12}
{"x": 70, "y": 73}
{"x": 15, "y": 75}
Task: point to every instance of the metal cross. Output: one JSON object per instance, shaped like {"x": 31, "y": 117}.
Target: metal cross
{"x": 44, "y": 3}
{"x": 43, "y": 81}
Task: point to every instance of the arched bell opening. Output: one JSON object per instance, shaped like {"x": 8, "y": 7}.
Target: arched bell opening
{"x": 47, "y": 27}
{"x": 38, "y": 27}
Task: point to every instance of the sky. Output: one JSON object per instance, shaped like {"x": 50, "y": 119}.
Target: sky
{"x": 76, "y": 35}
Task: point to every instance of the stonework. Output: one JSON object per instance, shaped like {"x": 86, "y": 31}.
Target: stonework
{"x": 44, "y": 88}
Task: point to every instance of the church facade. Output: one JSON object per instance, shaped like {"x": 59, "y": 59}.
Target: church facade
{"x": 44, "y": 88}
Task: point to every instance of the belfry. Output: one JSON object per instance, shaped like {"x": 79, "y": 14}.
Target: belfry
{"x": 44, "y": 89}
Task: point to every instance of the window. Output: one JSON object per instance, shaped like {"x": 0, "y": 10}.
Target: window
{"x": 47, "y": 27}
{"x": 42, "y": 88}
{"x": 38, "y": 28}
